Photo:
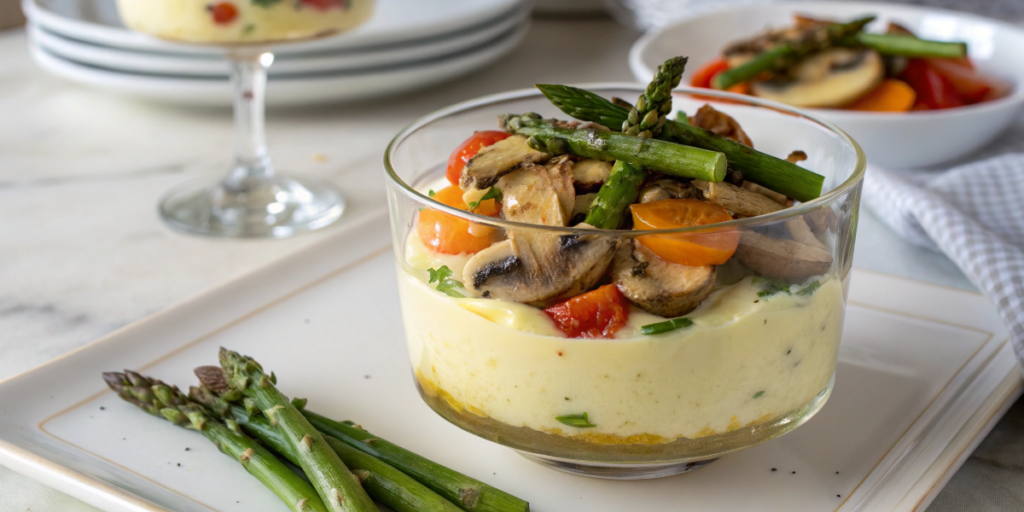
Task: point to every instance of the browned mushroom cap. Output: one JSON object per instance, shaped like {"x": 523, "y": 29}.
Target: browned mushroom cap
{"x": 539, "y": 268}
{"x": 658, "y": 286}
{"x": 782, "y": 258}
{"x": 533, "y": 266}
{"x": 494, "y": 161}
{"x": 720, "y": 123}
{"x": 832, "y": 78}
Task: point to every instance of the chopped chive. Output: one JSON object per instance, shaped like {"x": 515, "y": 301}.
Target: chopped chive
{"x": 759, "y": 394}
{"x": 666, "y": 326}
{"x": 576, "y": 420}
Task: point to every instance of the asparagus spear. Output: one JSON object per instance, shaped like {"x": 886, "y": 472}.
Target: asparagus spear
{"x": 337, "y": 486}
{"x": 159, "y": 399}
{"x": 766, "y": 170}
{"x": 381, "y": 481}
{"x": 655, "y": 154}
{"x": 467, "y": 493}
{"x": 645, "y": 119}
{"x": 785, "y": 54}
{"x": 911, "y": 46}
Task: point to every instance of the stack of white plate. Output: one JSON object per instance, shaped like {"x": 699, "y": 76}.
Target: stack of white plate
{"x": 408, "y": 44}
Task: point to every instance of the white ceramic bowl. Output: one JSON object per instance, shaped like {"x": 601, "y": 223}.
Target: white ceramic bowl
{"x": 895, "y": 140}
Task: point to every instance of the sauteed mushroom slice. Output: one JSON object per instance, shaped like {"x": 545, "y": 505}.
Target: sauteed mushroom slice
{"x": 782, "y": 258}
{"x": 832, "y": 78}
{"x": 539, "y": 194}
{"x": 588, "y": 175}
{"x": 498, "y": 159}
{"x": 658, "y": 286}
{"x": 720, "y": 123}
{"x": 533, "y": 266}
{"x": 539, "y": 268}
{"x": 667, "y": 188}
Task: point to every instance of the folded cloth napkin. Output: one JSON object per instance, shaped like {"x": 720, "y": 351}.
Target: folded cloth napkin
{"x": 973, "y": 213}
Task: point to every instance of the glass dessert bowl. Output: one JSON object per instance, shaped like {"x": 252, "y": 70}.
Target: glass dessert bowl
{"x": 621, "y": 353}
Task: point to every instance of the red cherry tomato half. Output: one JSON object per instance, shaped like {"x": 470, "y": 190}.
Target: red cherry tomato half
{"x": 468, "y": 149}
{"x": 934, "y": 91}
{"x": 223, "y": 12}
{"x": 598, "y": 313}
{"x": 324, "y": 5}
{"x": 703, "y": 76}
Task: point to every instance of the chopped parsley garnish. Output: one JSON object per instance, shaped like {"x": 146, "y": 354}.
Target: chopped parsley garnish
{"x": 809, "y": 289}
{"x": 265, "y": 3}
{"x": 576, "y": 420}
{"x": 666, "y": 326}
{"x": 248, "y": 29}
{"x": 445, "y": 283}
{"x": 492, "y": 193}
{"x": 759, "y": 394}
{"x": 773, "y": 287}
{"x": 431, "y": 193}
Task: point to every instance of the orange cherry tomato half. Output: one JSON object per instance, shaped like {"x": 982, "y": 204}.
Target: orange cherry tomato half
{"x": 891, "y": 95}
{"x": 448, "y": 234}
{"x": 468, "y": 149}
{"x": 598, "y": 313}
{"x": 691, "y": 249}
{"x": 223, "y": 12}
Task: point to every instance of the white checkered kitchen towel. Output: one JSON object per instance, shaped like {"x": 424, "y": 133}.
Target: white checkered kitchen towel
{"x": 973, "y": 213}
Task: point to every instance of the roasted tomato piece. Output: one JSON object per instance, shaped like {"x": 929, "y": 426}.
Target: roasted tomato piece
{"x": 691, "y": 249}
{"x": 449, "y": 234}
{"x": 596, "y": 314}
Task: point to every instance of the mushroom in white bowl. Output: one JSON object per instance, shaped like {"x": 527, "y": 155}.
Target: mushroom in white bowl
{"x": 828, "y": 81}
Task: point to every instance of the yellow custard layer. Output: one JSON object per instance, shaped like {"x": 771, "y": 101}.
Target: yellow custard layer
{"x": 191, "y": 20}
{"x": 745, "y": 360}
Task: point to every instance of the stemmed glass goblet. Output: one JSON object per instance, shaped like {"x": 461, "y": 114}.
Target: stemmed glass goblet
{"x": 251, "y": 199}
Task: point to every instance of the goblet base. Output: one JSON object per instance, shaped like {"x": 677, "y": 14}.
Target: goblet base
{"x": 617, "y": 471}
{"x": 270, "y": 207}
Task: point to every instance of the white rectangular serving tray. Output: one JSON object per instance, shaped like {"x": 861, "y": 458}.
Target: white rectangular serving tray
{"x": 924, "y": 374}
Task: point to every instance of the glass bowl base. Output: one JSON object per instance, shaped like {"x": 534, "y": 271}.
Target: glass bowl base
{"x": 274, "y": 207}
{"x": 617, "y": 471}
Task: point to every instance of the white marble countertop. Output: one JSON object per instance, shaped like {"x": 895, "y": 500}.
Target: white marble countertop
{"x": 82, "y": 251}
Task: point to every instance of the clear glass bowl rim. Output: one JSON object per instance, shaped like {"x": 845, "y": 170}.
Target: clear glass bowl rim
{"x": 750, "y": 222}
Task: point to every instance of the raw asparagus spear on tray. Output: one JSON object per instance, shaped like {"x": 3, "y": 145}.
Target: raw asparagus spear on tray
{"x": 337, "y": 486}
{"x": 159, "y": 399}
{"x": 467, "y": 493}
{"x": 382, "y": 482}
{"x": 771, "y": 172}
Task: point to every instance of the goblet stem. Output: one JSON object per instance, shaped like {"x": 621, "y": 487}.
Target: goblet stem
{"x": 251, "y": 200}
{"x": 249, "y": 79}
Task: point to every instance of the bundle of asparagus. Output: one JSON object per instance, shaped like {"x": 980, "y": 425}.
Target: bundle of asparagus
{"x": 238, "y": 407}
